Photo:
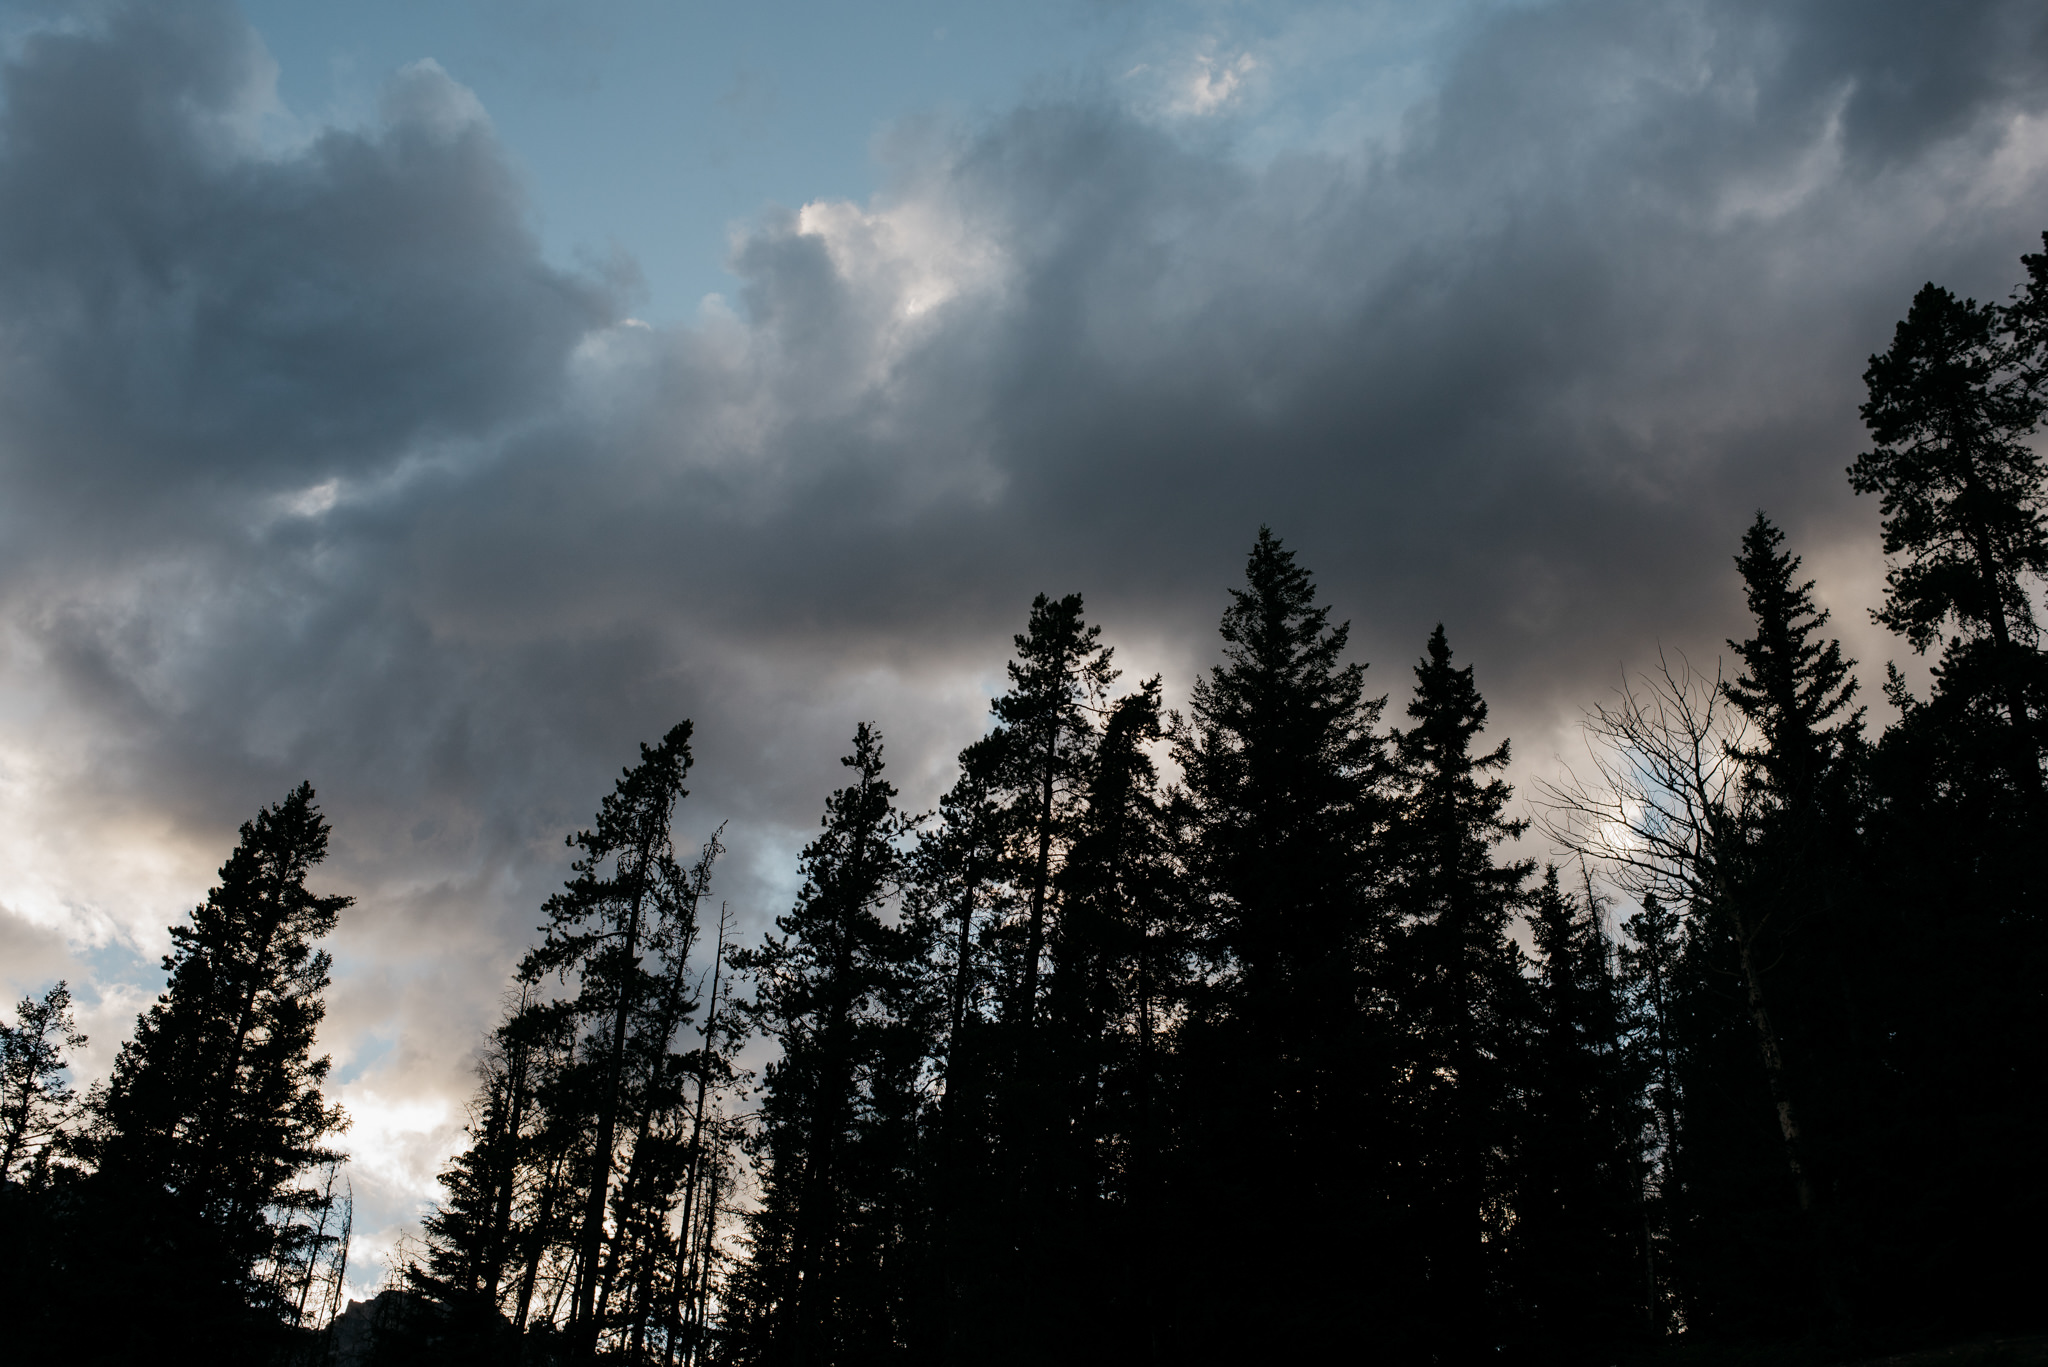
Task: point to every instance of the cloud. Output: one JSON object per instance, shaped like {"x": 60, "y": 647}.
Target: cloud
{"x": 1210, "y": 83}
{"x": 188, "y": 320}
{"x": 313, "y": 466}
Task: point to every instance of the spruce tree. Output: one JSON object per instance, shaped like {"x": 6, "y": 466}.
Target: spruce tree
{"x": 1035, "y": 768}
{"x": 1648, "y": 971}
{"x": 1795, "y": 688}
{"x": 42, "y": 1276}
{"x": 642, "y": 1256}
{"x": 1061, "y": 671}
{"x": 1583, "y": 1262}
{"x": 958, "y": 882}
{"x": 214, "y": 1114}
{"x": 1960, "y": 486}
{"x": 588, "y": 1129}
{"x": 472, "y": 1236}
{"x": 1116, "y": 976}
{"x": 1462, "y": 999}
{"x": 629, "y": 898}
{"x": 1948, "y": 941}
{"x": 958, "y": 879}
{"x": 1279, "y": 1060}
{"x": 1789, "y": 879}
{"x": 836, "y": 1238}
{"x": 1115, "y": 969}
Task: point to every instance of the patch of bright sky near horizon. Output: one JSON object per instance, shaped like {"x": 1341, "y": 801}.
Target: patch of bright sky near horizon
{"x": 649, "y": 129}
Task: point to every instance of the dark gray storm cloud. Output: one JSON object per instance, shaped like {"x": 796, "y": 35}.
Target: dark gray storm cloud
{"x": 188, "y": 317}
{"x": 312, "y": 466}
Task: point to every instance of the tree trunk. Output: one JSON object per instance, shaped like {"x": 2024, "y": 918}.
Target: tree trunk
{"x": 2026, "y": 753}
{"x": 539, "y": 1239}
{"x": 1778, "y": 1077}
{"x": 1774, "y": 1067}
{"x": 816, "y": 1206}
{"x": 683, "y": 1234}
{"x": 1041, "y": 877}
{"x": 835, "y": 1075}
{"x": 962, "y": 968}
{"x": 231, "y": 1066}
{"x": 584, "y": 1311}
{"x": 701, "y": 1302}
{"x": 505, "y": 1172}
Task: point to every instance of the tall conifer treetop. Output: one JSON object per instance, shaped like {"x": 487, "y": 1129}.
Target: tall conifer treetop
{"x": 1280, "y": 762}
{"x": 629, "y": 895}
{"x": 1046, "y": 753}
{"x": 959, "y": 874}
{"x": 217, "y": 1097}
{"x": 838, "y": 990}
{"x": 1960, "y": 487}
{"x": 624, "y": 858}
{"x": 1283, "y": 697}
{"x": 1796, "y": 689}
{"x": 1448, "y": 796}
{"x": 1459, "y": 983}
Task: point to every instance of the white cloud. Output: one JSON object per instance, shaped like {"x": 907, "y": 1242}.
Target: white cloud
{"x": 1211, "y": 83}
{"x": 399, "y": 1142}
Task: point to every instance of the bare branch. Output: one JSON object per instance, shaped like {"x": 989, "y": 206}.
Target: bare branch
{"x": 1663, "y": 792}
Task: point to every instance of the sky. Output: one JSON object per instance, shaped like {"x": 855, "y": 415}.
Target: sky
{"x": 433, "y": 400}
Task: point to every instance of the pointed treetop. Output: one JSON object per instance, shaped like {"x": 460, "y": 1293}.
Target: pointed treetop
{"x": 1275, "y": 617}
{"x": 1793, "y": 683}
{"x": 1448, "y": 709}
{"x": 1950, "y": 408}
{"x": 1060, "y": 660}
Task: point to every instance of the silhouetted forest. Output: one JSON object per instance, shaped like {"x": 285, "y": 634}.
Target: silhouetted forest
{"x": 1286, "y": 1059}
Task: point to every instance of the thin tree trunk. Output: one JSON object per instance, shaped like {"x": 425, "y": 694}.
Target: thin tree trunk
{"x": 634, "y": 1194}
{"x": 1774, "y": 1070}
{"x": 1779, "y": 1080}
{"x": 962, "y": 963}
{"x": 697, "y": 1120}
{"x": 1041, "y": 877}
{"x": 815, "y": 1205}
{"x": 540, "y": 1238}
{"x": 2027, "y": 754}
{"x": 1147, "y": 1235}
{"x": 231, "y": 1066}
{"x": 313, "y": 1249}
{"x": 584, "y": 1311}
{"x": 505, "y": 1169}
{"x": 643, "y": 1298}
{"x": 566, "y": 1283}
{"x": 705, "y": 1252}
{"x": 816, "y": 1210}
{"x": 340, "y": 1277}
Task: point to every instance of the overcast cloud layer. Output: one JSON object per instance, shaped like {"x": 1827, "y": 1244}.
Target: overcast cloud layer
{"x": 311, "y": 466}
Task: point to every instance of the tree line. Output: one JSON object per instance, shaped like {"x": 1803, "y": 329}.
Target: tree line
{"x": 1289, "y": 1057}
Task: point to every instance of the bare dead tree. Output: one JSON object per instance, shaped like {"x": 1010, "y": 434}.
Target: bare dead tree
{"x": 1662, "y": 802}
{"x": 322, "y": 1247}
{"x": 1668, "y": 809}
